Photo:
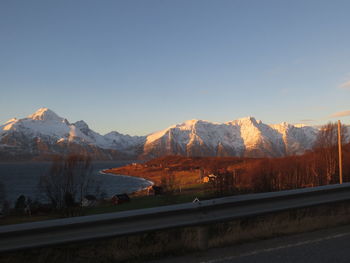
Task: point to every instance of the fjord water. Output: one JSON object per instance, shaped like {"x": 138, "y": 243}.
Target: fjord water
{"x": 23, "y": 178}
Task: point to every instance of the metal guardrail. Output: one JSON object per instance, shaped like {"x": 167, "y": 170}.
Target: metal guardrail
{"x": 61, "y": 231}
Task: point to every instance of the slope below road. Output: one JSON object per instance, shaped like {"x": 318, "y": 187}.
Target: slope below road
{"x": 328, "y": 245}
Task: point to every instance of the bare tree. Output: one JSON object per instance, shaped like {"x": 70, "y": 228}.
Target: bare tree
{"x": 326, "y": 148}
{"x": 68, "y": 180}
{"x": 168, "y": 182}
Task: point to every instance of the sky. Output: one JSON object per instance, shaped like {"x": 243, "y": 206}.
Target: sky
{"x": 140, "y": 66}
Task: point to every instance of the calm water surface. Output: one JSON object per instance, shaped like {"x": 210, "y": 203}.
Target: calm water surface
{"x": 23, "y": 178}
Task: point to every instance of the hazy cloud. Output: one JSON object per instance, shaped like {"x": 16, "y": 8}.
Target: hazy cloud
{"x": 340, "y": 114}
{"x": 317, "y": 108}
{"x": 345, "y": 85}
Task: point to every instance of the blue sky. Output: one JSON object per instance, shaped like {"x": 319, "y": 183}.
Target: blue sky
{"x": 140, "y": 66}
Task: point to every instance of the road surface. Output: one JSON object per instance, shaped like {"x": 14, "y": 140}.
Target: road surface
{"x": 329, "y": 245}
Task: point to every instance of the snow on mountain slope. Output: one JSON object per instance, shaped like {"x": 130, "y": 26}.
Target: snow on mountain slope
{"x": 195, "y": 138}
{"x": 124, "y": 142}
{"x": 46, "y": 132}
{"x": 44, "y": 122}
{"x": 297, "y": 139}
{"x": 85, "y": 134}
{"x": 46, "y": 127}
{"x": 242, "y": 137}
{"x": 45, "y": 114}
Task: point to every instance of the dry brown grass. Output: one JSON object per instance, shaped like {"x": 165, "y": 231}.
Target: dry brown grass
{"x": 183, "y": 177}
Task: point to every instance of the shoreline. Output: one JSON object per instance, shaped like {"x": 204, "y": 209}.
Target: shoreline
{"x": 140, "y": 190}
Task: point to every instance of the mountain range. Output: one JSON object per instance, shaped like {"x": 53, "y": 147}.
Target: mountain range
{"x": 44, "y": 133}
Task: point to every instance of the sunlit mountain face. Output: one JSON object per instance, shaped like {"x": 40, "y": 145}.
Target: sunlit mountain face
{"x": 44, "y": 133}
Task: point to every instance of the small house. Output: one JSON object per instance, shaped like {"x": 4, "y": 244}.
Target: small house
{"x": 89, "y": 201}
{"x": 209, "y": 178}
{"x": 120, "y": 199}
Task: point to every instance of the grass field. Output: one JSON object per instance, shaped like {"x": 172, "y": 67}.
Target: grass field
{"x": 188, "y": 194}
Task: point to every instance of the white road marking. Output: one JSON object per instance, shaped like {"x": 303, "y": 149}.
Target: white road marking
{"x": 277, "y": 248}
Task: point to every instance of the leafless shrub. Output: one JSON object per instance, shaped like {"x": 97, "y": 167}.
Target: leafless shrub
{"x": 326, "y": 148}
{"x": 68, "y": 180}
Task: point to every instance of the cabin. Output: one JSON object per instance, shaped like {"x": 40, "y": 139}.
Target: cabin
{"x": 89, "y": 201}
{"x": 209, "y": 178}
{"x": 120, "y": 199}
{"x": 155, "y": 190}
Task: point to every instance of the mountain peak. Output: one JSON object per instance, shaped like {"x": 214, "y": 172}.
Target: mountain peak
{"x": 44, "y": 114}
{"x": 191, "y": 122}
{"x": 10, "y": 121}
{"x": 196, "y": 121}
{"x": 249, "y": 119}
{"x": 285, "y": 124}
{"x": 81, "y": 124}
{"x": 113, "y": 133}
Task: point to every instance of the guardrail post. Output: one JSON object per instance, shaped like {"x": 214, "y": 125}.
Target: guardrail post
{"x": 202, "y": 235}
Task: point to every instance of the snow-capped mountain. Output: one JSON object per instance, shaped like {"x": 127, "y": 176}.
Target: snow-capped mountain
{"x": 242, "y": 137}
{"x": 45, "y": 133}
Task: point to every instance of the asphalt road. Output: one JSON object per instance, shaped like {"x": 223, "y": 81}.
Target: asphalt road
{"x": 329, "y": 245}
